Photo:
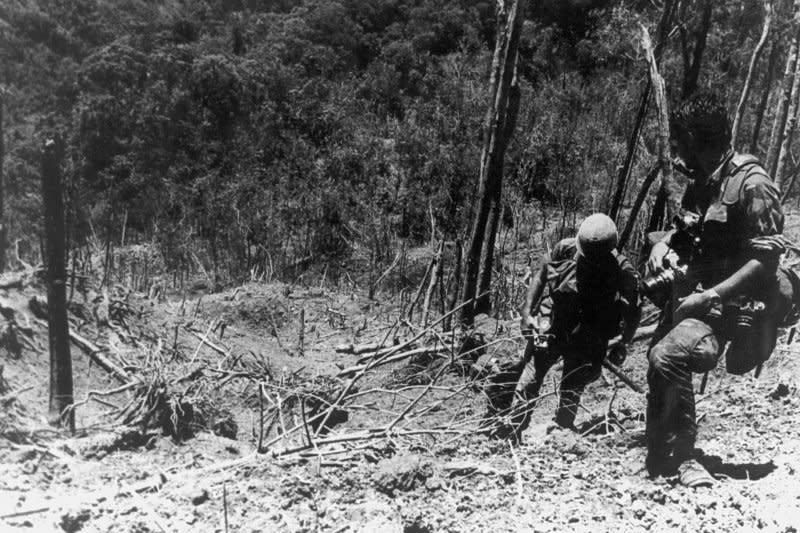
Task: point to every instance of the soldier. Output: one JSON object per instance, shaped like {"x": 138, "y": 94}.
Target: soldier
{"x": 593, "y": 289}
{"x": 734, "y": 256}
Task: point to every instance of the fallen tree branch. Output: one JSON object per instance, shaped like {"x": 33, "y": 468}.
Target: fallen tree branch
{"x": 95, "y": 353}
{"x": 614, "y": 369}
{"x": 204, "y": 340}
{"x": 358, "y": 349}
{"x": 391, "y": 359}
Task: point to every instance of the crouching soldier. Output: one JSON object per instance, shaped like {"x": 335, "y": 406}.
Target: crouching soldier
{"x": 592, "y": 290}
{"x": 723, "y": 289}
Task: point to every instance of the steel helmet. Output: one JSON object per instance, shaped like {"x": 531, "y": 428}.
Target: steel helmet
{"x": 597, "y": 236}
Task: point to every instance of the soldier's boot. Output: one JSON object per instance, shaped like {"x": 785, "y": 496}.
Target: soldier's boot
{"x": 693, "y": 475}
{"x": 567, "y": 409}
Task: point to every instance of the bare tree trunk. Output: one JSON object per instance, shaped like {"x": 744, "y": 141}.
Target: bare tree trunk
{"x": 58, "y": 327}
{"x": 762, "y": 105}
{"x": 3, "y": 230}
{"x": 452, "y": 297}
{"x": 792, "y": 179}
{"x": 637, "y": 205}
{"x": 494, "y": 145}
{"x": 751, "y": 70}
{"x": 633, "y": 142}
{"x": 692, "y": 68}
{"x": 436, "y": 276}
{"x": 782, "y": 107}
{"x": 483, "y": 300}
{"x": 625, "y": 171}
{"x": 788, "y": 131}
{"x": 663, "y": 164}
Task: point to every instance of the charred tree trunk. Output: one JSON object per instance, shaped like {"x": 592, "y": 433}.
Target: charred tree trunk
{"x": 782, "y": 107}
{"x": 762, "y": 105}
{"x": 663, "y": 164}
{"x": 454, "y": 288}
{"x": 625, "y": 172}
{"x": 3, "y": 229}
{"x": 58, "y": 327}
{"x": 788, "y": 131}
{"x": 693, "y": 61}
{"x": 483, "y": 300}
{"x": 751, "y": 70}
{"x": 637, "y": 205}
{"x": 633, "y": 142}
{"x": 496, "y": 125}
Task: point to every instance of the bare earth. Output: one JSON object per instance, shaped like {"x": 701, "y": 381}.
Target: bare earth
{"x": 423, "y": 471}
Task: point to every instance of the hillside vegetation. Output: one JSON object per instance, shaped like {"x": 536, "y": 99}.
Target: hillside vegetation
{"x": 276, "y": 136}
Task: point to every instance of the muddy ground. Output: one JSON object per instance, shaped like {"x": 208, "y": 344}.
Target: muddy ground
{"x": 407, "y": 457}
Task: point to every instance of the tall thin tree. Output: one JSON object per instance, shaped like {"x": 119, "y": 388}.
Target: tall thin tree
{"x": 3, "y": 228}
{"x": 785, "y": 95}
{"x": 663, "y": 164}
{"x": 58, "y": 327}
{"x": 788, "y": 129}
{"x": 761, "y": 109}
{"x": 624, "y": 174}
{"x": 693, "y": 60}
{"x": 748, "y": 81}
{"x": 499, "y": 120}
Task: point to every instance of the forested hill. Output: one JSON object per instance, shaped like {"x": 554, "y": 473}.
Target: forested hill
{"x": 284, "y": 131}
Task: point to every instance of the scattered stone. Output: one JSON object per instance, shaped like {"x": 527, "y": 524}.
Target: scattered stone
{"x": 99, "y": 446}
{"x": 225, "y": 426}
{"x": 24, "y": 456}
{"x": 199, "y": 496}
{"x": 434, "y": 483}
{"x": 401, "y": 473}
{"x": 74, "y": 519}
{"x": 780, "y": 391}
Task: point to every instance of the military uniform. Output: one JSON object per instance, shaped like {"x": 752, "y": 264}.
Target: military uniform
{"x": 741, "y": 220}
{"x": 586, "y": 305}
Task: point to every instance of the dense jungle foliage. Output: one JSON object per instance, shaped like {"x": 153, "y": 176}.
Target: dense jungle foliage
{"x": 285, "y": 133}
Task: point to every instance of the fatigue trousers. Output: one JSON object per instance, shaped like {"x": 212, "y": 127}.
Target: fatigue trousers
{"x": 582, "y": 365}
{"x": 671, "y": 430}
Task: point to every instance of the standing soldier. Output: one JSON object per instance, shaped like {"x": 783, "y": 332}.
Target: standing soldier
{"x": 735, "y": 243}
{"x": 593, "y": 289}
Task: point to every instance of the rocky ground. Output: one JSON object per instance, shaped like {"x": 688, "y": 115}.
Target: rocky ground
{"x": 407, "y": 457}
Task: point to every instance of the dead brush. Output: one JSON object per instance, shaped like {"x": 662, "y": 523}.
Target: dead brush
{"x": 13, "y": 418}
{"x": 152, "y": 406}
{"x": 297, "y": 398}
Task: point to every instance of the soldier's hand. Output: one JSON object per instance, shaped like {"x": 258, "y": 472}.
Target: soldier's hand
{"x": 696, "y": 305}
{"x": 661, "y": 257}
{"x": 528, "y": 325}
{"x": 617, "y": 353}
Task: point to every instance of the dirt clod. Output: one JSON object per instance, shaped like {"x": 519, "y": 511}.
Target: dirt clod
{"x": 780, "y": 391}
{"x": 74, "y": 519}
{"x": 402, "y": 473}
{"x": 199, "y": 496}
{"x": 225, "y": 426}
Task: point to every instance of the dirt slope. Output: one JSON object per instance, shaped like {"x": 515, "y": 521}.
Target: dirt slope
{"x": 110, "y": 479}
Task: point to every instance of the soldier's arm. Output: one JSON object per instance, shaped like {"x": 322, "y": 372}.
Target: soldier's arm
{"x": 563, "y": 249}
{"x": 631, "y": 312}
{"x": 764, "y": 243}
{"x": 535, "y": 290}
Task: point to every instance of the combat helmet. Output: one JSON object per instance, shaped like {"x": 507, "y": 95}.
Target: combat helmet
{"x": 597, "y": 236}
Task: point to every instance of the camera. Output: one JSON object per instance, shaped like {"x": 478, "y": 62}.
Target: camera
{"x": 661, "y": 281}
{"x": 542, "y": 342}
{"x": 749, "y": 312}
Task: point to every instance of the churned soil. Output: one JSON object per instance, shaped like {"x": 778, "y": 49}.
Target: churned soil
{"x": 422, "y": 468}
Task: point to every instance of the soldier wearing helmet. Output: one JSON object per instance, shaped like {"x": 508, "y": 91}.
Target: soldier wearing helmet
{"x": 733, "y": 265}
{"x": 590, "y": 292}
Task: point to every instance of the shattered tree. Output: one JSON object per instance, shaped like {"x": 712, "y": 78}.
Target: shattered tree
{"x": 58, "y": 327}
{"x": 498, "y": 126}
